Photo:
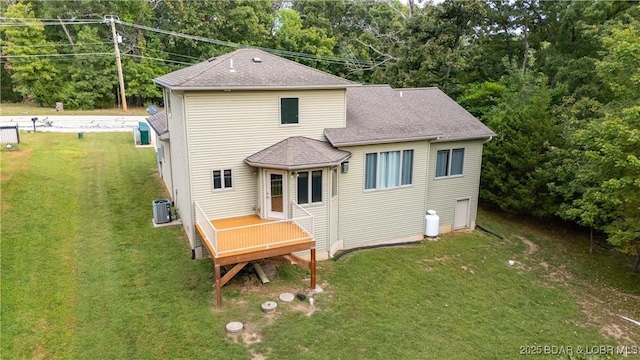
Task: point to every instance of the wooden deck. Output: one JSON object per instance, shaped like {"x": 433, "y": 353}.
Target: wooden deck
{"x": 247, "y": 238}
{"x": 237, "y": 236}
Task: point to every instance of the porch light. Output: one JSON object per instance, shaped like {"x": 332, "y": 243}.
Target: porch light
{"x": 345, "y": 167}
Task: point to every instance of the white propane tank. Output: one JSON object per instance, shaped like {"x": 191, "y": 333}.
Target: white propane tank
{"x": 432, "y": 223}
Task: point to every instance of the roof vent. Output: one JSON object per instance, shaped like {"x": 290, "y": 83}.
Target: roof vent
{"x": 211, "y": 59}
{"x": 231, "y": 69}
{"x": 257, "y": 60}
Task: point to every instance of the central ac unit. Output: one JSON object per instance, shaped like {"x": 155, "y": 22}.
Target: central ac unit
{"x": 161, "y": 211}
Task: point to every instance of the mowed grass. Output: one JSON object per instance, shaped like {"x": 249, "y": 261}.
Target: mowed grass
{"x": 32, "y": 109}
{"x": 85, "y": 275}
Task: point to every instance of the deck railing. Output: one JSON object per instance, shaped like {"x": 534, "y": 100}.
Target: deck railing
{"x": 302, "y": 218}
{"x": 209, "y": 232}
{"x": 257, "y": 236}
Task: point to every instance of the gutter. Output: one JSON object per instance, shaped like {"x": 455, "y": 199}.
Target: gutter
{"x": 381, "y": 141}
{"x": 295, "y": 167}
{"x": 487, "y": 138}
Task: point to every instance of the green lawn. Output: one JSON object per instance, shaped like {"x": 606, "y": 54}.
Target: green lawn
{"x": 31, "y": 109}
{"x": 85, "y": 275}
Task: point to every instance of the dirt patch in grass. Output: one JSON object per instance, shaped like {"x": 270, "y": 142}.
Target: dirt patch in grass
{"x": 249, "y": 336}
{"x": 428, "y": 267}
{"x": 522, "y": 266}
{"x": 39, "y": 353}
{"x": 436, "y": 259}
{"x": 532, "y": 247}
{"x": 14, "y": 161}
{"x": 561, "y": 276}
{"x": 610, "y": 325}
{"x": 304, "y": 308}
{"x": 468, "y": 268}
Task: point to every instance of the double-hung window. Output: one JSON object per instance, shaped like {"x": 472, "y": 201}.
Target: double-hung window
{"x": 222, "y": 179}
{"x": 388, "y": 169}
{"x": 289, "y": 111}
{"x": 309, "y": 187}
{"x": 449, "y": 162}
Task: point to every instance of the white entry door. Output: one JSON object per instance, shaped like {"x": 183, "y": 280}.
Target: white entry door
{"x": 461, "y": 215}
{"x": 276, "y": 194}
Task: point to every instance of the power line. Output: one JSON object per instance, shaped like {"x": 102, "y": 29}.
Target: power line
{"x": 44, "y": 19}
{"x": 36, "y": 23}
{"x": 285, "y": 53}
{"x": 54, "y": 45}
{"x": 158, "y": 59}
{"x": 67, "y": 57}
{"x": 56, "y": 55}
{"x": 166, "y": 52}
{"x": 293, "y": 54}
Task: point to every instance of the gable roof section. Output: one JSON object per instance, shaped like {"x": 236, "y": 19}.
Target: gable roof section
{"x": 379, "y": 114}
{"x": 298, "y": 152}
{"x": 158, "y": 122}
{"x": 247, "y": 69}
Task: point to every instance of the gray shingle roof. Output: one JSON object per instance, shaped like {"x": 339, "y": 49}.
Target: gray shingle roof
{"x": 380, "y": 114}
{"x": 250, "y": 69}
{"x": 298, "y": 152}
{"x": 158, "y": 122}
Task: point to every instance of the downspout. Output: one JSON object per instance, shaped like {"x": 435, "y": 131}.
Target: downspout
{"x": 426, "y": 186}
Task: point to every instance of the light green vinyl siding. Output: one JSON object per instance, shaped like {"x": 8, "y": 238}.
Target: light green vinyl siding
{"x": 166, "y": 164}
{"x": 334, "y": 214}
{"x": 373, "y": 216}
{"x": 226, "y": 127}
{"x": 442, "y": 193}
{"x": 318, "y": 210}
{"x": 181, "y": 192}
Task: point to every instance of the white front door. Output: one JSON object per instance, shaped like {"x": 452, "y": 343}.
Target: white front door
{"x": 461, "y": 215}
{"x": 276, "y": 194}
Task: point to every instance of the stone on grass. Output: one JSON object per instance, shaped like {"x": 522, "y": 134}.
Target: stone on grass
{"x": 269, "y": 306}
{"x": 234, "y": 327}
{"x": 286, "y": 297}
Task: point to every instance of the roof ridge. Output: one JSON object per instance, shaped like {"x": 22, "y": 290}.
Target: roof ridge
{"x": 308, "y": 67}
{"x": 314, "y": 145}
{"x": 418, "y": 88}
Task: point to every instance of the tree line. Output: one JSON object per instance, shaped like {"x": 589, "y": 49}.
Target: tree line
{"x": 557, "y": 80}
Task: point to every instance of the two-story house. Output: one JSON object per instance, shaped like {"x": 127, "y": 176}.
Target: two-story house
{"x": 249, "y": 140}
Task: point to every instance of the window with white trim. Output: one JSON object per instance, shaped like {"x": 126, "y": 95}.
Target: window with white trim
{"x": 222, "y": 179}
{"x": 388, "y": 169}
{"x": 309, "y": 187}
{"x": 449, "y": 162}
{"x": 289, "y": 111}
{"x": 334, "y": 182}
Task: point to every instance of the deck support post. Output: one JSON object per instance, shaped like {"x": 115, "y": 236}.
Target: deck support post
{"x": 312, "y": 267}
{"x": 218, "y": 287}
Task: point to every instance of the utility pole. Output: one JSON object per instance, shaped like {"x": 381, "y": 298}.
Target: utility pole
{"x": 123, "y": 97}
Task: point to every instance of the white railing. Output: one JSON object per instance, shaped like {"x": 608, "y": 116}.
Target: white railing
{"x": 209, "y": 232}
{"x": 302, "y": 218}
{"x": 257, "y": 236}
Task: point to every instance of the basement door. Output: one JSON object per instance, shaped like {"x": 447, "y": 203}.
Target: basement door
{"x": 461, "y": 214}
{"x": 275, "y": 194}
